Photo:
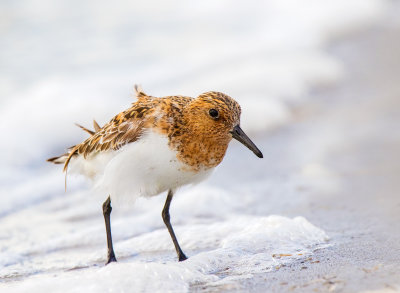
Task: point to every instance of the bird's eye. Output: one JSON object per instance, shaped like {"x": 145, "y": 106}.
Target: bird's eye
{"x": 213, "y": 113}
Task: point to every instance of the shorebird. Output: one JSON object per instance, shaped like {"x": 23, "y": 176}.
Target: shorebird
{"x": 155, "y": 146}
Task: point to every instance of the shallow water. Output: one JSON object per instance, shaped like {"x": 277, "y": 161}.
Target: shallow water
{"x": 69, "y": 63}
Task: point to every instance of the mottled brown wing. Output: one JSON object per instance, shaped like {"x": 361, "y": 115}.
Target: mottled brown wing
{"x": 124, "y": 128}
{"x": 127, "y": 126}
{"x": 112, "y": 136}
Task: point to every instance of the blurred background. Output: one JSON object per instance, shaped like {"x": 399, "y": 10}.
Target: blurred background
{"x": 67, "y": 61}
{"x": 296, "y": 67}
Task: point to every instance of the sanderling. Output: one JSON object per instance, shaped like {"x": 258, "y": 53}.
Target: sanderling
{"x": 157, "y": 145}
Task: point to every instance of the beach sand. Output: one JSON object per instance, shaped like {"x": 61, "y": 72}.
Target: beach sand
{"x": 359, "y": 121}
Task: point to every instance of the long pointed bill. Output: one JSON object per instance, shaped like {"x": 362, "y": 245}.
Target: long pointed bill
{"x": 238, "y": 134}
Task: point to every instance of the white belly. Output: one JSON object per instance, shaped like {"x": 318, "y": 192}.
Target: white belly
{"x": 146, "y": 167}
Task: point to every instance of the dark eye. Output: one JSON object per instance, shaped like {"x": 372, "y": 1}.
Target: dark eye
{"x": 213, "y": 113}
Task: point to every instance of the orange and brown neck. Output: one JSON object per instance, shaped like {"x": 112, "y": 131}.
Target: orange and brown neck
{"x": 199, "y": 151}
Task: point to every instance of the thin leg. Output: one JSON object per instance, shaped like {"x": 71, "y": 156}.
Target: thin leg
{"x": 166, "y": 218}
{"x": 106, "y": 212}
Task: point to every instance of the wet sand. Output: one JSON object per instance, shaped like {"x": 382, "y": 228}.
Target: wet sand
{"x": 348, "y": 177}
{"x": 363, "y": 216}
{"x": 358, "y": 122}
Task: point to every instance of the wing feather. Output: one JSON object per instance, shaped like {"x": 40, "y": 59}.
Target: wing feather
{"x": 124, "y": 128}
{"x": 112, "y": 136}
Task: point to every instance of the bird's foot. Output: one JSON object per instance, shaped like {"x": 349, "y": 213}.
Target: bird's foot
{"x": 111, "y": 258}
{"x": 182, "y": 257}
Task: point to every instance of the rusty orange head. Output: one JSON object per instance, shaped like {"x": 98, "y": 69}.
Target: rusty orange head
{"x": 216, "y": 116}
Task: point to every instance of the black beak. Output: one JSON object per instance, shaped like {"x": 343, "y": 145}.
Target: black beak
{"x": 238, "y": 134}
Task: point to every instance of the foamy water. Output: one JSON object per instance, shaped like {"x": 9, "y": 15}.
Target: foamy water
{"x": 77, "y": 61}
{"x": 223, "y": 244}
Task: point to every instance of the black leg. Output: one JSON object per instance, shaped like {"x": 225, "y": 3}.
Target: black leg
{"x": 106, "y": 212}
{"x": 166, "y": 218}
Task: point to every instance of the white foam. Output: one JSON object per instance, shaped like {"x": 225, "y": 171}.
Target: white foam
{"x": 68, "y": 63}
{"x": 222, "y": 252}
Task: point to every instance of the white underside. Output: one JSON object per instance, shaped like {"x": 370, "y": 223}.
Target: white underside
{"x": 146, "y": 167}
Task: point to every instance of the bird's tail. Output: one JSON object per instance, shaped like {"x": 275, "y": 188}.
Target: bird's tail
{"x": 59, "y": 160}
{"x": 65, "y": 158}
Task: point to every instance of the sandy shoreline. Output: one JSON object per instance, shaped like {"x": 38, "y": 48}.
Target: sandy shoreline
{"x": 335, "y": 163}
{"x": 362, "y": 216}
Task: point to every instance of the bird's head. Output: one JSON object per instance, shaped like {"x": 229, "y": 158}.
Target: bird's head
{"x": 216, "y": 116}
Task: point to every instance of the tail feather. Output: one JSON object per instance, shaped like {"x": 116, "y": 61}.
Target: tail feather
{"x": 96, "y": 126}
{"x": 63, "y": 159}
{"x": 139, "y": 91}
{"x": 72, "y": 151}
{"x": 91, "y": 132}
{"x": 58, "y": 160}
{"x": 68, "y": 158}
